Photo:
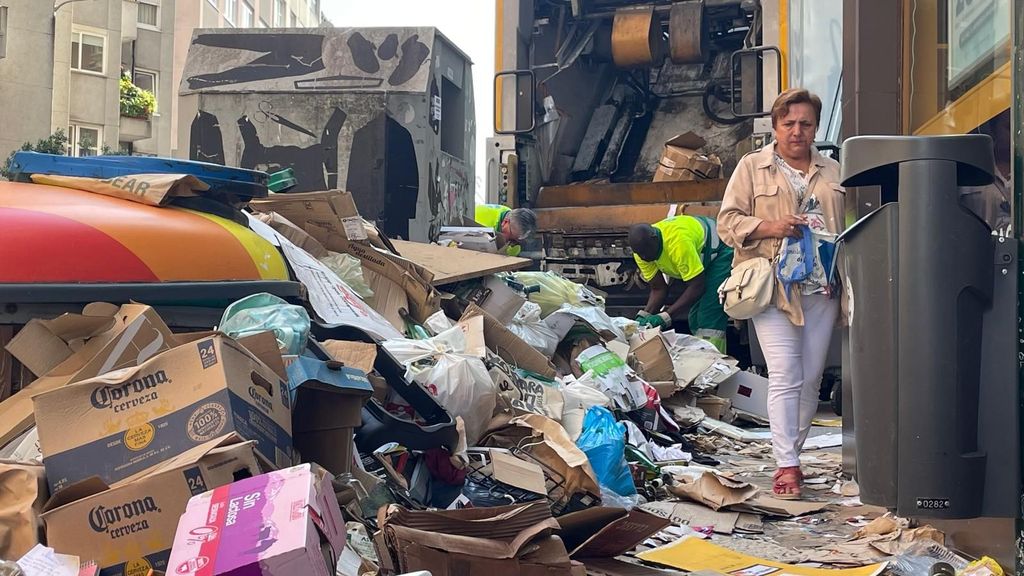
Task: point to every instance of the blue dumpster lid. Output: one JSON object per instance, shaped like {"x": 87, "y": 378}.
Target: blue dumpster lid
{"x": 238, "y": 181}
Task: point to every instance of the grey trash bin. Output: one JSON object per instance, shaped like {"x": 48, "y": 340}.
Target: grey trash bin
{"x": 927, "y": 355}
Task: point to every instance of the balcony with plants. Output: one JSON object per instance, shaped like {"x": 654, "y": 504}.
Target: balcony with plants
{"x": 137, "y": 108}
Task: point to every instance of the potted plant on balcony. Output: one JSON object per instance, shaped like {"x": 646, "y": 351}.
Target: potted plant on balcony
{"x": 136, "y": 102}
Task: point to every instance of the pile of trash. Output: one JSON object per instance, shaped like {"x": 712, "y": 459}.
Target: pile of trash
{"x": 420, "y": 408}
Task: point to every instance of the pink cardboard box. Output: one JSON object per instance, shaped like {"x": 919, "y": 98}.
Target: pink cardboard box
{"x": 285, "y": 523}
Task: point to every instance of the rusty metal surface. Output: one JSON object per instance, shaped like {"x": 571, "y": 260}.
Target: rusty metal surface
{"x": 607, "y": 194}
{"x": 686, "y": 33}
{"x": 637, "y": 40}
{"x": 604, "y": 218}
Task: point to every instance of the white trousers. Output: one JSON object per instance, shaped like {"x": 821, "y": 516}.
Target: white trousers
{"x": 796, "y": 360}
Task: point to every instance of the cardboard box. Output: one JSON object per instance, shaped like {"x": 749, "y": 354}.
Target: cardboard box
{"x": 747, "y": 391}
{"x": 23, "y": 494}
{"x": 328, "y": 399}
{"x": 651, "y": 359}
{"x": 510, "y": 347}
{"x": 407, "y": 278}
{"x": 128, "y": 528}
{"x": 680, "y": 160}
{"x": 717, "y": 407}
{"x": 102, "y": 338}
{"x": 130, "y": 420}
{"x": 285, "y": 523}
{"x": 607, "y": 532}
{"x": 499, "y": 541}
{"x": 332, "y": 211}
{"x": 500, "y": 301}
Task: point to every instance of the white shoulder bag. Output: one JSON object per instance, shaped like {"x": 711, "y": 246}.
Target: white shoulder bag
{"x": 749, "y": 289}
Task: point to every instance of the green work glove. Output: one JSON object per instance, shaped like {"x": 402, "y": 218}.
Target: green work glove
{"x": 643, "y": 319}
{"x": 662, "y": 320}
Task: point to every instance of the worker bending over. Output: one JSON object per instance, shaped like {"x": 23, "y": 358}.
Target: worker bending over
{"x": 511, "y": 226}
{"x": 687, "y": 249}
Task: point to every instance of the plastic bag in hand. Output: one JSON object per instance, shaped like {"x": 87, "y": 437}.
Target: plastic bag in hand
{"x": 604, "y": 442}
{"x": 263, "y": 312}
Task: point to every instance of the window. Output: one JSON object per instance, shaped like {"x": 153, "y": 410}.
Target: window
{"x": 84, "y": 140}
{"x": 314, "y": 12}
{"x": 248, "y": 15}
{"x": 230, "y": 10}
{"x": 87, "y": 51}
{"x": 3, "y": 31}
{"x": 125, "y": 148}
{"x": 294, "y": 20}
{"x": 279, "y": 13}
{"x": 149, "y": 13}
{"x": 146, "y": 80}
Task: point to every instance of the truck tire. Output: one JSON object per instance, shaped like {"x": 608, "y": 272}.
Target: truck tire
{"x": 837, "y": 398}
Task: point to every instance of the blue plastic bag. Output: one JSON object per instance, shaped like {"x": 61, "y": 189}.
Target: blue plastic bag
{"x": 604, "y": 442}
{"x": 796, "y": 259}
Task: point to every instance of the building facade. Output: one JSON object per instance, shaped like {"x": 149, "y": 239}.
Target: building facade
{"x": 66, "y": 58}
{"x": 26, "y": 37}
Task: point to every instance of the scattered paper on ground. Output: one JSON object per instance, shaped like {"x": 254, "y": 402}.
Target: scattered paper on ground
{"x": 693, "y": 554}
{"x": 832, "y": 440}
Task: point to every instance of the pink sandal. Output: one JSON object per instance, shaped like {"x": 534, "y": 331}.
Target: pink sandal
{"x": 786, "y": 483}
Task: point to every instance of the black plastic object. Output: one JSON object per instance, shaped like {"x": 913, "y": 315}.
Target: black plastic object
{"x": 932, "y": 354}
{"x": 380, "y": 427}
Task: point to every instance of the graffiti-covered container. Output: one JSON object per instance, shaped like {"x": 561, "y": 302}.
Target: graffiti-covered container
{"x": 385, "y": 113}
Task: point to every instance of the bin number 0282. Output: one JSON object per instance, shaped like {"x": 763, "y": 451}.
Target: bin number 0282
{"x": 932, "y": 503}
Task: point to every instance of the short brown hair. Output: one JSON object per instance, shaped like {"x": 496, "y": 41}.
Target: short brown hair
{"x": 795, "y": 96}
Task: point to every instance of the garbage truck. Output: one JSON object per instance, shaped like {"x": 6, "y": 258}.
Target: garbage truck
{"x": 609, "y": 113}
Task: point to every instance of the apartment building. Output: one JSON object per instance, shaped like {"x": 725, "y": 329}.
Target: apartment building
{"x": 26, "y": 37}
{"x": 61, "y": 62}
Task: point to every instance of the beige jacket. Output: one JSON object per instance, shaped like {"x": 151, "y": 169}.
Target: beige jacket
{"x": 758, "y": 191}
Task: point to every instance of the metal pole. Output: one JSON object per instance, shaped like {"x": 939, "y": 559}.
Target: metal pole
{"x": 1017, "y": 145}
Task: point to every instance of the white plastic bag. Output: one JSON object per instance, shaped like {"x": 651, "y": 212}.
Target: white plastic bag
{"x": 579, "y": 397}
{"x": 350, "y": 270}
{"x": 532, "y": 330}
{"x": 459, "y": 380}
{"x": 562, "y": 320}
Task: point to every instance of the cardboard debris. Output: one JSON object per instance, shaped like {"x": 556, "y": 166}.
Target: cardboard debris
{"x": 102, "y": 338}
{"x": 518, "y": 472}
{"x": 713, "y": 490}
{"x": 359, "y": 355}
{"x": 710, "y": 425}
{"x": 321, "y": 213}
{"x": 131, "y": 525}
{"x": 651, "y": 359}
{"x": 23, "y": 494}
{"x": 703, "y": 371}
{"x": 130, "y": 420}
{"x": 617, "y": 567}
{"x": 282, "y": 523}
{"x": 607, "y": 532}
{"x": 822, "y": 441}
{"x": 694, "y": 515}
{"x": 765, "y": 504}
{"x": 717, "y": 408}
{"x": 149, "y": 189}
{"x": 693, "y": 554}
{"x": 500, "y": 541}
{"x": 680, "y": 160}
{"x": 510, "y": 347}
{"x": 449, "y": 265}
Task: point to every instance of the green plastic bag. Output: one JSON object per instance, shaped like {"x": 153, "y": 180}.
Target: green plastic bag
{"x": 262, "y": 312}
